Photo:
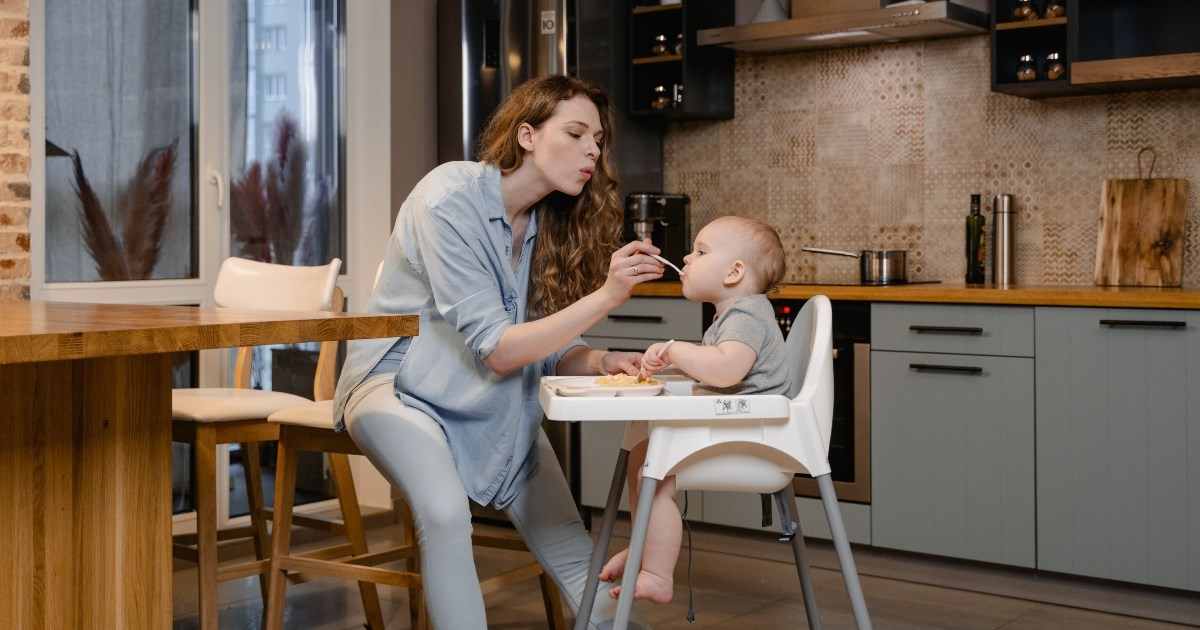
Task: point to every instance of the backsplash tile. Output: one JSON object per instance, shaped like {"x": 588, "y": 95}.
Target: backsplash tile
{"x": 881, "y": 147}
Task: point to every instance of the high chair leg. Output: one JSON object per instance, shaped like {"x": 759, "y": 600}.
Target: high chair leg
{"x": 633, "y": 562}
{"x": 858, "y": 603}
{"x": 600, "y": 552}
{"x": 800, "y": 552}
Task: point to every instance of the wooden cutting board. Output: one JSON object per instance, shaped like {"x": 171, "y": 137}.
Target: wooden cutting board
{"x": 1140, "y": 241}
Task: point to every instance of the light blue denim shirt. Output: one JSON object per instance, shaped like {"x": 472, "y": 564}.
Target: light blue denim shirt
{"x": 449, "y": 260}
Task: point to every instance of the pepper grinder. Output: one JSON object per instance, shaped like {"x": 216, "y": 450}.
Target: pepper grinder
{"x": 1003, "y": 260}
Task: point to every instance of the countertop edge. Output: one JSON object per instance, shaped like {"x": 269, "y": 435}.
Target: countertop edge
{"x": 958, "y": 293}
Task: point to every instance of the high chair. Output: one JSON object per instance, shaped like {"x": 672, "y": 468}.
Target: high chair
{"x": 209, "y": 416}
{"x": 310, "y": 427}
{"x": 755, "y": 443}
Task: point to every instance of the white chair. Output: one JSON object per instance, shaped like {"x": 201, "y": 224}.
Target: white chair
{"x": 310, "y": 427}
{"x": 739, "y": 455}
{"x": 210, "y": 416}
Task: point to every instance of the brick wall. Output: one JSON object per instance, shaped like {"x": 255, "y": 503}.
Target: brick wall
{"x": 14, "y": 149}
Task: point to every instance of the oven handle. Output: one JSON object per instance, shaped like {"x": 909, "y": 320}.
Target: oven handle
{"x": 953, "y": 330}
{"x": 649, "y": 319}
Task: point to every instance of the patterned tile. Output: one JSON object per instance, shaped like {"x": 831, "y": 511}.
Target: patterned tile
{"x": 882, "y": 146}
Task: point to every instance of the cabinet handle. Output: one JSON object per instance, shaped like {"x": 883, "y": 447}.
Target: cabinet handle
{"x": 951, "y": 330}
{"x": 647, "y": 319}
{"x": 931, "y": 367}
{"x": 1141, "y": 323}
{"x": 637, "y": 350}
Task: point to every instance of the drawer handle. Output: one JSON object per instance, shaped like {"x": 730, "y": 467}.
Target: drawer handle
{"x": 950, "y": 330}
{"x": 933, "y": 367}
{"x": 1142, "y": 323}
{"x": 647, "y": 319}
{"x": 637, "y": 350}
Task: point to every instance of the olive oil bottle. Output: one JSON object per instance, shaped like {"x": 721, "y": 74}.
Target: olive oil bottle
{"x": 976, "y": 243}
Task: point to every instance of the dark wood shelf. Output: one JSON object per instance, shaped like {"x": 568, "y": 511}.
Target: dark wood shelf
{"x": 656, "y": 59}
{"x": 704, "y": 75}
{"x": 656, "y": 8}
{"x": 1109, "y": 46}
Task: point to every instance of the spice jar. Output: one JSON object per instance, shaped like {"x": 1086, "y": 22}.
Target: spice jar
{"x": 1055, "y": 8}
{"x": 661, "y": 100}
{"x": 679, "y": 44}
{"x": 1026, "y": 68}
{"x": 1055, "y": 68}
{"x": 1024, "y": 10}
{"x": 660, "y": 45}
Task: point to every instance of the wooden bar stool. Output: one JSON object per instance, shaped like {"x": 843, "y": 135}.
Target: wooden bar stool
{"x": 210, "y": 416}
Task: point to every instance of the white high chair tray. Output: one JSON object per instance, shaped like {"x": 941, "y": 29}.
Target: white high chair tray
{"x": 586, "y": 386}
{"x": 674, "y": 402}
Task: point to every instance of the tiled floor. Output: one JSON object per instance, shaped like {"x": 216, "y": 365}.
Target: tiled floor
{"x": 747, "y": 581}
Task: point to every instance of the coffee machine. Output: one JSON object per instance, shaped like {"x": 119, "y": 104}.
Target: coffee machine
{"x": 665, "y": 219}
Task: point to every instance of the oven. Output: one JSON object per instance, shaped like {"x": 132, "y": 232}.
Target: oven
{"x": 850, "y": 436}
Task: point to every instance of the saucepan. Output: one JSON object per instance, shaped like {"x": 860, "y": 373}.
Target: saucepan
{"x": 875, "y": 266}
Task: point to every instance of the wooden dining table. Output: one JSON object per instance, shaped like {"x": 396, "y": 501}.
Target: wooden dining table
{"x": 85, "y": 448}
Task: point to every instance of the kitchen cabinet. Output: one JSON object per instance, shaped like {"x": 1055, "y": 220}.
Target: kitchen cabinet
{"x": 952, "y": 431}
{"x": 1108, "y": 45}
{"x": 1118, "y": 435}
{"x": 666, "y": 63}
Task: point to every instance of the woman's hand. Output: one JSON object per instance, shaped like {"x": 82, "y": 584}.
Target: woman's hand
{"x": 630, "y": 266}
{"x": 621, "y": 362}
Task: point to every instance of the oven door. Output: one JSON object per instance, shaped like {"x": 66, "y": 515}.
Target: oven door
{"x": 850, "y": 436}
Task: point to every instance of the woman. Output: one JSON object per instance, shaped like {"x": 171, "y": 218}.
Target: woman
{"x": 507, "y": 261}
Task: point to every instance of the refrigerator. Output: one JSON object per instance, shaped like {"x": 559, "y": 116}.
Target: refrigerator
{"x": 487, "y": 47}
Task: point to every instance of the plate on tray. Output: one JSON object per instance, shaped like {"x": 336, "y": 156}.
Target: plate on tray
{"x": 587, "y": 386}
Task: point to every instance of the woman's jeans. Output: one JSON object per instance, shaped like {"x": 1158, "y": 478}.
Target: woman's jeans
{"x": 410, "y": 449}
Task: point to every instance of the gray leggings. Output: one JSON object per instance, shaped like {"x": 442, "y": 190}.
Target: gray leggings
{"x": 410, "y": 449}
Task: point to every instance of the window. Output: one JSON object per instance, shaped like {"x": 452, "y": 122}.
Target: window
{"x": 274, "y": 39}
{"x": 275, "y": 87}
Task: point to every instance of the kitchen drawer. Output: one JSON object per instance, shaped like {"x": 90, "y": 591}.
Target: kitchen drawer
{"x": 655, "y": 319}
{"x": 953, "y": 329}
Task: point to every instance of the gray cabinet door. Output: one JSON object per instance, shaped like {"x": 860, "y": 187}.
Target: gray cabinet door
{"x": 953, "y": 455}
{"x": 1118, "y": 436}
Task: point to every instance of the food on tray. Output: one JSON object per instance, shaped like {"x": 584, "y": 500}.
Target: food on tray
{"x": 624, "y": 380}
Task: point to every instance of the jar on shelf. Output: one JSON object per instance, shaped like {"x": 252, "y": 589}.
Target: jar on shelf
{"x": 660, "y": 46}
{"x": 661, "y": 99}
{"x": 1024, "y": 10}
{"x": 1026, "y": 68}
{"x": 1055, "y": 8}
{"x": 678, "y": 49}
{"x": 1056, "y": 67}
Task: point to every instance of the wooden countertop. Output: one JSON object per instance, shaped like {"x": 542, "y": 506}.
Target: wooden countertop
{"x": 959, "y": 293}
{"x": 52, "y": 331}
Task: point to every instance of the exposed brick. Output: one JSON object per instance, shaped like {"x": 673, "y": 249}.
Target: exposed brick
{"x": 14, "y": 191}
{"x": 13, "y": 290}
{"x": 15, "y": 110}
{"x": 14, "y": 163}
{"x": 15, "y": 28}
{"x": 15, "y": 268}
{"x": 14, "y": 217}
{"x": 14, "y": 137}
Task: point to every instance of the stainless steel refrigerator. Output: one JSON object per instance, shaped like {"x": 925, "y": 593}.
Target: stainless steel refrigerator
{"x": 487, "y": 47}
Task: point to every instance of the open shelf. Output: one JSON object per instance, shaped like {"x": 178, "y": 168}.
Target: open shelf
{"x": 1014, "y": 26}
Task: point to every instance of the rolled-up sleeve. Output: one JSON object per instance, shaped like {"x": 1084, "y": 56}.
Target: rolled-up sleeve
{"x": 463, "y": 283}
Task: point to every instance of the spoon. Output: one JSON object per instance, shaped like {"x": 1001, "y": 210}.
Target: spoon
{"x": 668, "y": 263}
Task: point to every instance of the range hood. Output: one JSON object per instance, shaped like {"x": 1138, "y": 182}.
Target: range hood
{"x": 899, "y": 22}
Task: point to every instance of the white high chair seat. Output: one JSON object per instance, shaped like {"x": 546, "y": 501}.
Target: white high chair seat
{"x": 752, "y": 443}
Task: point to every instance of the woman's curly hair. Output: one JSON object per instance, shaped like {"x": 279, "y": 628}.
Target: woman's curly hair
{"x": 576, "y": 235}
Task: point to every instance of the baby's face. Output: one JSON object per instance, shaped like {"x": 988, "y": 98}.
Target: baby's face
{"x": 716, "y": 248}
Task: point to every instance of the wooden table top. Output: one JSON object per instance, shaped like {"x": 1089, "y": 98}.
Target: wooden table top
{"x": 51, "y": 331}
{"x": 959, "y": 293}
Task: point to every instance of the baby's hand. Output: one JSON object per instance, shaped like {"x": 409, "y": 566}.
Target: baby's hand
{"x": 653, "y": 361}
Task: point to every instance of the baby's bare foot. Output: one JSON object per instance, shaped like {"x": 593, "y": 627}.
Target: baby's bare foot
{"x": 615, "y": 567}
{"x": 650, "y": 587}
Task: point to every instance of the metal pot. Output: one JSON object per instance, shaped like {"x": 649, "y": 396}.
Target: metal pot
{"x": 875, "y": 266}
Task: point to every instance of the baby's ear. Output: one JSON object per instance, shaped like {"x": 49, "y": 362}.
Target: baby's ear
{"x": 737, "y": 271}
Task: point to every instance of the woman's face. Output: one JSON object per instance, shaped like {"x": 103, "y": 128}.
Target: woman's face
{"x": 564, "y": 149}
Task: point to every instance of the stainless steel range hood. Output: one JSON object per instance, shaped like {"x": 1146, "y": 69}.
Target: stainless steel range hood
{"x": 925, "y": 20}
